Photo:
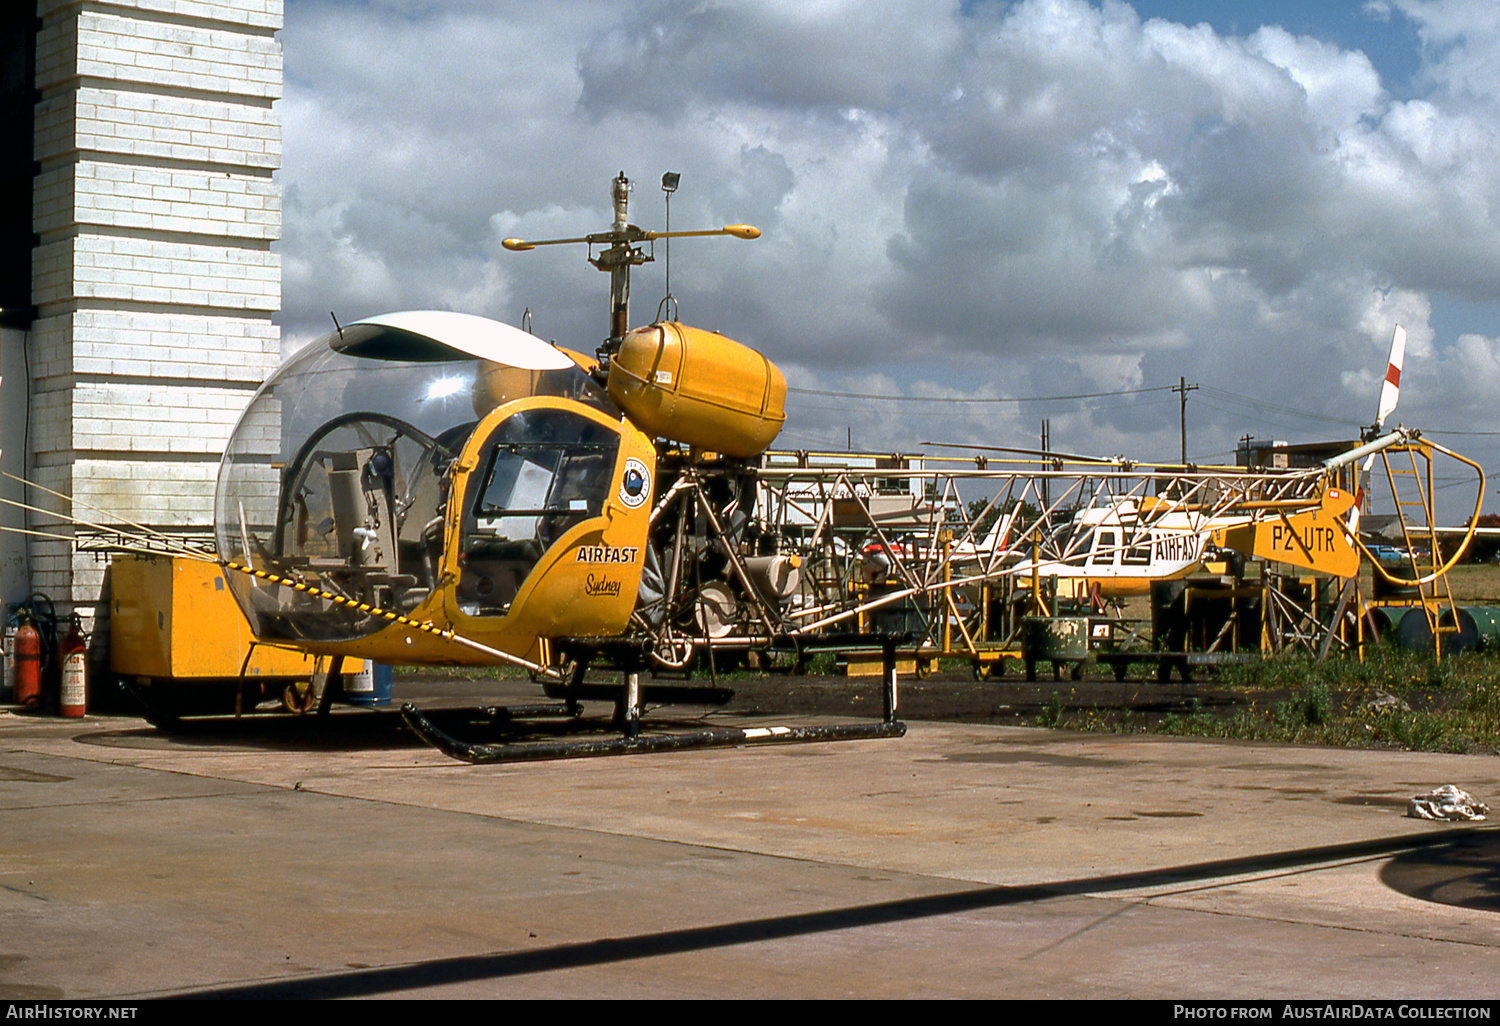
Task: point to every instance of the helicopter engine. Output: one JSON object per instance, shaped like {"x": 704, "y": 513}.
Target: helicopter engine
{"x": 714, "y": 581}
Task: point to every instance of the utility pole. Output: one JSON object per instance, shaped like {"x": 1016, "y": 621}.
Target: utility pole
{"x": 1046, "y": 447}
{"x": 1184, "y": 388}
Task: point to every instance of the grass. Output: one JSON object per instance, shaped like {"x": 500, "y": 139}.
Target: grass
{"x": 460, "y": 672}
{"x": 1387, "y": 667}
{"x": 730, "y": 667}
{"x": 1393, "y": 699}
{"x": 1473, "y": 584}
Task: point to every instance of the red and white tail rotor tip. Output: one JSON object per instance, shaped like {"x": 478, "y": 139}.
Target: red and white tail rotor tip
{"x": 1390, "y": 391}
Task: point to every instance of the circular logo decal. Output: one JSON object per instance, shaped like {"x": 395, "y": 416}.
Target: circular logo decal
{"x": 635, "y": 487}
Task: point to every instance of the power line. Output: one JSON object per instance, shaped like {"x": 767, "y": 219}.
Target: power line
{"x": 1208, "y": 390}
{"x": 1261, "y": 404}
{"x": 800, "y": 405}
{"x": 957, "y": 399}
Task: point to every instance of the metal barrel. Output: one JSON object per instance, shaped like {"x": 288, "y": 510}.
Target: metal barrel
{"x": 1466, "y": 638}
{"x": 1413, "y": 632}
{"x": 1486, "y": 621}
{"x": 1385, "y": 619}
{"x": 1384, "y": 589}
{"x": 1055, "y": 637}
{"x": 371, "y": 686}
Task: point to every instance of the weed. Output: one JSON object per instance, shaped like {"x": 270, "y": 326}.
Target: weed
{"x": 1483, "y": 699}
{"x": 1052, "y": 714}
{"x": 824, "y": 664}
{"x": 1456, "y": 700}
{"x": 1413, "y": 730}
{"x": 460, "y": 672}
{"x": 1315, "y": 704}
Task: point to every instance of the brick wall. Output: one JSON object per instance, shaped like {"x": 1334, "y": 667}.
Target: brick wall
{"x": 154, "y": 279}
{"x": 164, "y": 199}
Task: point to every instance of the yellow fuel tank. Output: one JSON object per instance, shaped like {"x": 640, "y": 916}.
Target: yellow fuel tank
{"x": 699, "y": 388}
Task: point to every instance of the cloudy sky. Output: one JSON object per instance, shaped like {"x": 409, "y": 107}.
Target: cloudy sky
{"x": 960, "y": 201}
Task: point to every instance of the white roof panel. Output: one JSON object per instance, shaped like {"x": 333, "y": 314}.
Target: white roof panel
{"x": 468, "y": 334}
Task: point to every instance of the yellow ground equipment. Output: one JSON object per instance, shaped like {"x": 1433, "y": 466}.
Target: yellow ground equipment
{"x": 174, "y": 624}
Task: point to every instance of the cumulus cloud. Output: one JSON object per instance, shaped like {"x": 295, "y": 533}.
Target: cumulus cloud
{"x": 1047, "y": 197}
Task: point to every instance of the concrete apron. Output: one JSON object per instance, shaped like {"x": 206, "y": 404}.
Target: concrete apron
{"x": 958, "y": 861}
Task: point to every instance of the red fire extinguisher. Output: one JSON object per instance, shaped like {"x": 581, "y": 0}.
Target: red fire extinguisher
{"x": 73, "y": 655}
{"x": 28, "y": 680}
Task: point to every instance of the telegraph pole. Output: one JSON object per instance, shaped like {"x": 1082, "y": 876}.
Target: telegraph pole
{"x": 1183, "y": 388}
{"x": 1046, "y": 447}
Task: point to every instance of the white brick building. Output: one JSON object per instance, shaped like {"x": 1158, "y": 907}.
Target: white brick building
{"x": 152, "y": 276}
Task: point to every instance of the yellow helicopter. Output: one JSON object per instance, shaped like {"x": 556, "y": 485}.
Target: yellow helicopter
{"x": 435, "y": 487}
{"x": 430, "y": 487}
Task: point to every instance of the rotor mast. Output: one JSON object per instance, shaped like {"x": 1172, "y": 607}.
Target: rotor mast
{"x": 621, "y": 250}
{"x": 620, "y": 257}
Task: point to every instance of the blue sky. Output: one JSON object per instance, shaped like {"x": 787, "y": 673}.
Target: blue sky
{"x": 959, "y": 200}
{"x": 1383, "y": 34}
{"x": 1386, "y": 37}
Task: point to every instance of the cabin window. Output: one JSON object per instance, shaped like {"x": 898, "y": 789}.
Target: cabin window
{"x": 359, "y": 517}
{"x": 1061, "y": 542}
{"x": 1138, "y": 551}
{"x": 1104, "y": 548}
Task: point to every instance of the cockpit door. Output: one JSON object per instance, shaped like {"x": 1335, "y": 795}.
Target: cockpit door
{"x": 539, "y": 509}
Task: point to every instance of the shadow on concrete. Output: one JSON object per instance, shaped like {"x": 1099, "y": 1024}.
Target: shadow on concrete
{"x": 1464, "y": 872}
{"x": 474, "y": 968}
{"x": 345, "y": 731}
{"x": 364, "y": 729}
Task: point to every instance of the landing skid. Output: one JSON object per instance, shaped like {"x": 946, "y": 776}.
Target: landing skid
{"x": 721, "y": 737}
{"x": 633, "y": 742}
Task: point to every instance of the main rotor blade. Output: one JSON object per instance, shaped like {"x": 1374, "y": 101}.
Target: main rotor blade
{"x": 1049, "y": 454}
{"x": 519, "y": 245}
{"x": 424, "y": 335}
{"x": 739, "y": 231}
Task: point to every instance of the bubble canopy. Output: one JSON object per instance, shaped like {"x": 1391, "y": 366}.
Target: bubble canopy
{"x": 338, "y": 469}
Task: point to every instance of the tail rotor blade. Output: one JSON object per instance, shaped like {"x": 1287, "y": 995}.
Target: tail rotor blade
{"x": 1390, "y": 391}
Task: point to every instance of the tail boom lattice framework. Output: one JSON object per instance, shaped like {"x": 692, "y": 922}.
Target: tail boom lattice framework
{"x": 949, "y": 552}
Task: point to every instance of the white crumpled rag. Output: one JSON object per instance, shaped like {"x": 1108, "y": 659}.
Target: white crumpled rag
{"x": 1447, "y": 802}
